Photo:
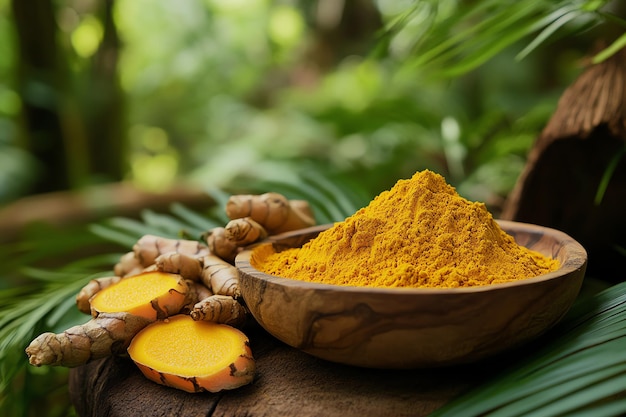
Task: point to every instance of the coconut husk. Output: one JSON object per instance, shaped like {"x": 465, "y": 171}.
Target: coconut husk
{"x": 560, "y": 184}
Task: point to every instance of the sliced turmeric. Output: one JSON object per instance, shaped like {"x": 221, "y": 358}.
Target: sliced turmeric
{"x": 153, "y": 295}
{"x": 106, "y": 335}
{"x": 189, "y": 291}
{"x": 193, "y": 356}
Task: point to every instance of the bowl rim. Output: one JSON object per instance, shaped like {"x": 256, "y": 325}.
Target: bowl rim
{"x": 576, "y": 262}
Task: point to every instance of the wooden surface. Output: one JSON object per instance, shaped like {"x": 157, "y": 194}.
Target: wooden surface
{"x": 288, "y": 383}
{"x": 407, "y": 328}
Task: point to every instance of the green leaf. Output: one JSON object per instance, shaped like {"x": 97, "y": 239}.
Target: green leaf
{"x": 610, "y": 50}
{"x": 474, "y": 33}
{"x": 198, "y": 221}
{"x": 548, "y": 32}
{"x": 113, "y": 235}
{"x": 164, "y": 225}
{"x": 580, "y": 363}
{"x": 614, "y": 408}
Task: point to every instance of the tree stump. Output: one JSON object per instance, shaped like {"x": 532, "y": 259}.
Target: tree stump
{"x": 575, "y": 177}
{"x": 288, "y": 383}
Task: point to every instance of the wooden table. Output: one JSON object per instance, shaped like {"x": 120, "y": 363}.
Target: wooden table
{"x": 288, "y": 383}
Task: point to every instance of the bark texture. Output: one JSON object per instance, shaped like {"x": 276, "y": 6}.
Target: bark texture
{"x": 581, "y": 150}
{"x": 288, "y": 383}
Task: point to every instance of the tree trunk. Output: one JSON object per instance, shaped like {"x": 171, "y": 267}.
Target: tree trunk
{"x": 72, "y": 121}
{"x": 40, "y": 81}
{"x": 106, "y": 125}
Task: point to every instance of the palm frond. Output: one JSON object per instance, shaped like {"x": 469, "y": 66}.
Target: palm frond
{"x": 46, "y": 299}
{"x": 573, "y": 370}
{"x": 608, "y": 174}
{"x": 579, "y": 368}
{"x": 27, "y": 310}
{"x": 617, "y": 44}
{"x": 610, "y": 50}
{"x": 460, "y": 39}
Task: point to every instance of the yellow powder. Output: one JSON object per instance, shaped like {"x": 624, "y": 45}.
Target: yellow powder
{"x": 420, "y": 233}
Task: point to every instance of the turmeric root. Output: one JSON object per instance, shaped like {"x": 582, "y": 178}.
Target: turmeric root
{"x": 89, "y": 290}
{"x": 189, "y": 267}
{"x": 162, "y": 277}
{"x": 304, "y": 212}
{"x": 220, "y": 276}
{"x": 220, "y": 245}
{"x": 153, "y": 295}
{"x": 128, "y": 265}
{"x": 200, "y": 291}
{"x": 220, "y": 309}
{"x": 197, "y": 292}
{"x": 149, "y": 247}
{"x": 214, "y": 272}
{"x": 244, "y": 231}
{"x": 273, "y": 211}
{"x": 193, "y": 356}
{"x": 108, "y": 334}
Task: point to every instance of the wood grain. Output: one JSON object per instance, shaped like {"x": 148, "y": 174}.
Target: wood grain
{"x": 415, "y": 328}
{"x": 288, "y": 383}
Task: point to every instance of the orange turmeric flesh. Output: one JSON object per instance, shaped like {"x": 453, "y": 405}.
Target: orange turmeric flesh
{"x": 153, "y": 295}
{"x": 193, "y": 356}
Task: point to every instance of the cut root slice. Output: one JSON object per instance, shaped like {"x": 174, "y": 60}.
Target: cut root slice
{"x": 193, "y": 356}
{"x": 153, "y": 295}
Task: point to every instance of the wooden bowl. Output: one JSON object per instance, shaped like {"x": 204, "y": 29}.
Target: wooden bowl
{"x": 414, "y": 328}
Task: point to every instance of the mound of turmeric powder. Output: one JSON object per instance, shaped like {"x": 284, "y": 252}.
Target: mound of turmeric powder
{"x": 420, "y": 233}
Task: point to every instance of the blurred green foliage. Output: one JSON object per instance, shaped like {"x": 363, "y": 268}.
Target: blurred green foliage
{"x": 331, "y": 100}
{"x": 215, "y": 91}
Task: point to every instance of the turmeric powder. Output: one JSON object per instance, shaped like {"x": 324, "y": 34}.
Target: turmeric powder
{"x": 421, "y": 233}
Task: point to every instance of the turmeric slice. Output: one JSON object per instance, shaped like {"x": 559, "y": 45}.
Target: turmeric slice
{"x": 153, "y": 295}
{"x": 193, "y": 356}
